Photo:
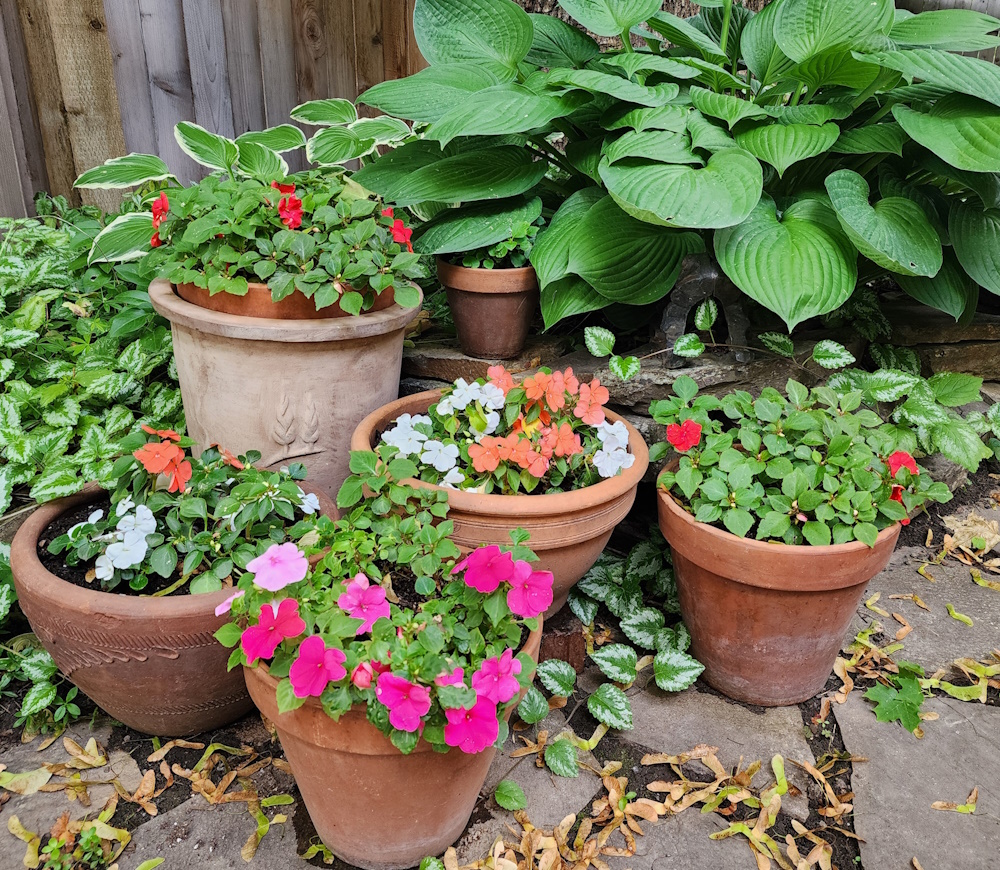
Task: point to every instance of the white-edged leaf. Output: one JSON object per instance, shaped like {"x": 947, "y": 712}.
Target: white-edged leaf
{"x": 284, "y": 137}
{"x": 600, "y": 341}
{"x": 332, "y": 146}
{"x": 325, "y": 113}
{"x": 831, "y": 355}
{"x": 208, "y": 149}
{"x": 260, "y": 162}
{"x": 128, "y": 171}
{"x": 126, "y": 238}
{"x": 689, "y": 346}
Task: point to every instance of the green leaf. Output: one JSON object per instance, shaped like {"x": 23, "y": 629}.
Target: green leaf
{"x": 584, "y": 607}
{"x": 332, "y": 146}
{"x": 643, "y": 626}
{"x": 783, "y": 145}
{"x": 674, "y": 671}
{"x": 720, "y": 194}
{"x": 682, "y": 33}
{"x": 37, "y": 665}
{"x": 456, "y": 31}
{"x": 6, "y": 599}
{"x": 831, "y": 355}
{"x": 39, "y": 696}
{"x": 867, "y": 533}
{"x": 229, "y": 635}
{"x": 382, "y": 130}
{"x": 284, "y": 137}
{"x": 610, "y": 17}
{"x": 558, "y": 44}
{"x": 287, "y": 701}
{"x": 607, "y": 85}
{"x": 960, "y": 443}
{"x": 951, "y": 290}
{"x": 325, "y": 113}
{"x": 689, "y": 346}
{"x": 600, "y": 341}
{"x": 661, "y": 146}
{"x": 557, "y": 676}
{"x": 432, "y": 92}
{"x": 569, "y": 296}
{"x": 260, "y": 162}
{"x": 778, "y": 343}
{"x": 816, "y": 533}
{"x": 954, "y": 390}
{"x": 533, "y": 707}
{"x": 624, "y": 368}
{"x": 963, "y": 131}
{"x": 164, "y": 560}
{"x": 975, "y": 234}
{"x": 706, "y": 314}
{"x": 610, "y": 706}
{"x": 126, "y": 238}
{"x": 560, "y": 757}
{"x": 726, "y": 108}
{"x": 550, "y": 255}
{"x": 895, "y": 705}
{"x": 476, "y": 226}
{"x": 208, "y": 149}
{"x": 954, "y": 72}
{"x": 510, "y": 795}
{"x": 760, "y": 50}
{"x": 204, "y": 584}
{"x": 617, "y": 662}
{"x": 799, "y": 266}
{"x": 803, "y": 28}
{"x": 56, "y": 483}
{"x": 872, "y": 139}
{"x": 949, "y": 29}
{"x": 834, "y": 67}
{"x": 738, "y": 521}
{"x": 128, "y": 171}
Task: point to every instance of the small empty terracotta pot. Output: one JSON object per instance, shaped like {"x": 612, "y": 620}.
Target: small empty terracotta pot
{"x": 766, "y": 620}
{"x": 373, "y": 806}
{"x": 492, "y": 308}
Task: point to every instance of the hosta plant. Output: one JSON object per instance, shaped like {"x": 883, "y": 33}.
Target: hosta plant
{"x": 546, "y": 434}
{"x": 394, "y": 619}
{"x": 809, "y": 466}
{"x": 809, "y": 147}
{"x": 250, "y": 220}
{"x": 179, "y": 522}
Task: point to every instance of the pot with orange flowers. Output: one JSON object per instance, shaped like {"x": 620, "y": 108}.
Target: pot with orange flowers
{"x": 288, "y": 294}
{"x": 544, "y": 455}
{"x": 779, "y": 509}
{"x": 390, "y": 669}
{"x": 125, "y": 583}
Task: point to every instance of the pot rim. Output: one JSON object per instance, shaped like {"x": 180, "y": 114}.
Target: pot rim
{"x": 168, "y": 304}
{"x": 521, "y": 279}
{"x": 522, "y": 505}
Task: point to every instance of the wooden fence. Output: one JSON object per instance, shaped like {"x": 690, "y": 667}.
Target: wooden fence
{"x": 84, "y": 80}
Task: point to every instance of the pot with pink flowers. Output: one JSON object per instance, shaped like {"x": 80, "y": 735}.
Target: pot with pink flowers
{"x": 390, "y": 670}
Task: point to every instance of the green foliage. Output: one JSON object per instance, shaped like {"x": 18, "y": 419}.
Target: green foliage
{"x": 510, "y": 795}
{"x": 900, "y": 700}
{"x": 87, "y": 852}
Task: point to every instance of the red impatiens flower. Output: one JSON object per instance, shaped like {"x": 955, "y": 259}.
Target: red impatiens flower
{"x": 160, "y": 208}
{"x": 283, "y": 189}
{"x": 169, "y": 434}
{"x": 228, "y": 457}
{"x": 290, "y": 209}
{"x": 897, "y": 495}
{"x": 684, "y": 436}
{"x": 901, "y": 459}
{"x": 388, "y": 212}
{"x": 402, "y": 234}
{"x": 156, "y": 241}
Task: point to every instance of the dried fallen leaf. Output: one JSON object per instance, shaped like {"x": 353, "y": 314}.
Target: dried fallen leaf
{"x": 968, "y": 808}
{"x": 161, "y": 753}
{"x": 961, "y": 617}
{"x": 914, "y": 598}
{"x": 916, "y": 864}
{"x": 870, "y": 604}
{"x": 906, "y": 629}
{"x": 34, "y": 842}
{"x": 964, "y": 529}
{"x": 25, "y": 783}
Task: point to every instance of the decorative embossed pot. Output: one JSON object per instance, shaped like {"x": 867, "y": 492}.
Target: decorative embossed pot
{"x": 152, "y": 663}
{"x": 293, "y": 389}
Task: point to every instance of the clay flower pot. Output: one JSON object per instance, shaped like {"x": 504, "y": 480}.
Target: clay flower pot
{"x": 492, "y": 308}
{"x": 766, "y": 620}
{"x": 569, "y": 530}
{"x": 258, "y": 303}
{"x": 152, "y": 663}
{"x": 293, "y": 389}
{"x": 373, "y": 806}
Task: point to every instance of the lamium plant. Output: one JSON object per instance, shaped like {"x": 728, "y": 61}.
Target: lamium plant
{"x": 393, "y": 618}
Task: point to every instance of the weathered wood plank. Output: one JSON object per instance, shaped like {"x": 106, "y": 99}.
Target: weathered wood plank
{"x": 12, "y": 195}
{"x": 415, "y": 60}
{"x": 206, "y": 42}
{"x": 369, "y": 41}
{"x": 277, "y": 60}
{"x": 395, "y": 39}
{"x": 324, "y": 49}
{"x": 131, "y": 75}
{"x": 243, "y": 58}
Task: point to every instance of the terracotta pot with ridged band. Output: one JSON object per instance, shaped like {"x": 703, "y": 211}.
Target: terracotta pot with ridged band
{"x": 492, "y": 308}
{"x": 569, "y": 530}
{"x": 152, "y": 663}
{"x": 355, "y": 782}
{"x": 767, "y": 620}
{"x": 293, "y": 389}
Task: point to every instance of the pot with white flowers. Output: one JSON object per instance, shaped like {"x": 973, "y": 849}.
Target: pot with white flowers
{"x": 124, "y": 587}
{"x": 544, "y": 455}
{"x": 390, "y": 669}
{"x": 288, "y": 294}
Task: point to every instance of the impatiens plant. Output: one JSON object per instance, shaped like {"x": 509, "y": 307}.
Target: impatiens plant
{"x": 176, "y": 521}
{"x": 316, "y": 232}
{"x": 813, "y": 467}
{"x": 547, "y": 434}
{"x": 393, "y": 619}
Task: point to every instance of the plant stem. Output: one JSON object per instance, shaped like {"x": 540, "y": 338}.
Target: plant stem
{"x": 797, "y": 95}
{"x": 543, "y": 149}
{"x": 790, "y": 359}
{"x": 627, "y": 41}
{"x": 727, "y": 17}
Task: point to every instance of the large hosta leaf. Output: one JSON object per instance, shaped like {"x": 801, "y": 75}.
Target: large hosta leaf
{"x": 551, "y": 253}
{"x": 596, "y": 82}
{"x": 967, "y": 75}
{"x": 804, "y": 28}
{"x": 610, "y": 17}
{"x": 125, "y": 238}
{"x": 730, "y": 109}
{"x": 661, "y": 146}
{"x": 432, "y": 92}
{"x": 818, "y": 114}
{"x": 949, "y": 29}
{"x": 682, "y": 33}
{"x": 672, "y": 118}
{"x": 799, "y": 266}
{"x": 208, "y": 149}
{"x": 477, "y": 226}
{"x": 874, "y": 139}
{"x": 646, "y": 62}
{"x": 624, "y": 259}
{"x": 928, "y": 197}
{"x": 454, "y": 31}
{"x": 894, "y": 233}
{"x": 556, "y": 43}
{"x": 568, "y": 296}
{"x": 961, "y": 130}
{"x": 834, "y": 67}
{"x": 127, "y": 171}
{"x": 720, "y": 194}
{"x": 760, "y": 50}
{"x": 334, "y": 145}
{"x": 783, "y": 145}
{"x": 975, "y": 233}
{"x": 951, "y": 290}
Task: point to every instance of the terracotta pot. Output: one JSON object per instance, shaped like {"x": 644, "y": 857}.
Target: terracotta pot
{"x": 492, "y": 308}
{"x": 766, "y": 620}
{"x": 258, "y": 303}
{"x": 152, "y": 663}
{"x": 293, "y": 389}
{"x": 569, "y": 530}
{"x": 373, "y": 806}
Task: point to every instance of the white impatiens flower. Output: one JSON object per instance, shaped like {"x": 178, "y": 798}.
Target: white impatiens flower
{"x": 443, "y": 457}
{"x": 128, "y": 552}
{"x": 124, "y": 506}
{"x": 142, "y": 521}
{"x": 95, "y": 517}
{"x": 492, "y": 421}
{"x": 465, "y": 394}
{"x": 404, "y": 437}
{"x": 618, "y": 432}
{"x": 492, "y": 397}
{"x": 103, "y": 569}
{"x": 610, "y": 462}
{"x": 309, "y": 502}
{"x": 445, "y": 408}
{"x": 453, "y": 478}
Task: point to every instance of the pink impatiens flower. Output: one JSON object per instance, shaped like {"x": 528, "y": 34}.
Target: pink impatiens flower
{"x": 486, "y": 568}
{"x": 315, "y": 667}
{"x": 531, "y": 591}
{"x": 472, "y": 730}
{"x": 227, "y": 605}
{"x": 363, "y": 675}
{"x": 407, "y": 702}
{"x": 278, "y": 567}
{"x": 496, "y": 679}
{"x": 261, "y": 640}
{"x": 365, "y": 602}
{"x": 455, "y": 678}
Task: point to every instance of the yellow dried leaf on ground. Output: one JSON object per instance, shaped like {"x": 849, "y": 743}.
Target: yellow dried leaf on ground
{"x": 25, "y": 783}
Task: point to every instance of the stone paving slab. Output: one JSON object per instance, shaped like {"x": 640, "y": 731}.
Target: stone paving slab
{"x": 903, "y": 776}
{"x": 682, "y": 843}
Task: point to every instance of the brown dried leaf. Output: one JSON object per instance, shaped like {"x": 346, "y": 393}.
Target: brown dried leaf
{"x": 871, "y": 602}
{"x": 700, "y": 751}
{"x": 161, "y": 753}
{"x": 85, "y": 758}
{"x": 905, "y": 630}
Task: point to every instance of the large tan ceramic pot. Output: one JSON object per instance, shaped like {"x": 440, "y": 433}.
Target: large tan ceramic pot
{"x": 568, "y": 529}
{"x": 492, "y": 308}
{"x": 293, "y": 389}
{"x": 766, "y": 620}
{"x": 373, "y": 806}
{"x": 152, "y": 663}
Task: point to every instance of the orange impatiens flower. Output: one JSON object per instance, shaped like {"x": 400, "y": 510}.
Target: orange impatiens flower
{"x": 536, "y": 464}
{"x": 169, "y": 434}
{"x": 567, "y": 442}
{"x": 180, "y": 474}
{"x": 536, "y": 385}
{"x": 572, "y": 384}
{"x": 227, "y": 457}
{"x": 157, "y": 458}
{"x": 485, "y": 456}
{"x": 592, "y": 398}
{"x": 500, "y": 377}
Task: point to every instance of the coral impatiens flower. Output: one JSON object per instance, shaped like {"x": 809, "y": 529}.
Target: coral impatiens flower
{"x": 536, "y": 385}
{"x": 535, "y": 464}
{"x": 156, "y": 458}
{"x": 168, "y": 434}
{"x": 388, "y": 212}
{"x": 279, "y": 566}
{"x": 531, "y": 591}
{"x": 500, "y": 377}
{"x": 261, "y": 640}
{"x": 363, "y": 601}
{"x": 473, "y": 730}
{"x": 568, "y": 442}
{"x": 402, "y": 234}
{"x": 283, "y": 189}
{"x": 684, "y": 436}
{"x": 407, "y": 703}
{"x": 160, "y": 208}
{"x": 902, "y": 459}
{"x": 590, "y": 407}
{"x": 486, "y": 568}
{"x": 180, "y": 474}
{"x": 315, "y": 668}
{"x": 290, "y": 210}
{"x": 496, "y": 679}
{"x": 485, "y": 455}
